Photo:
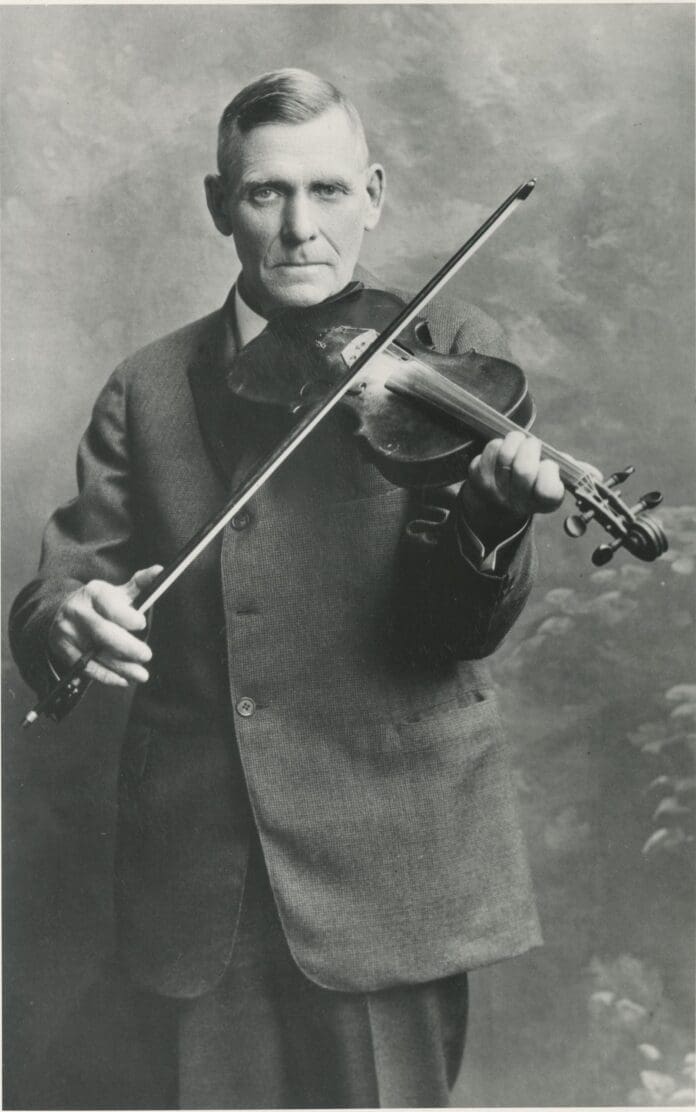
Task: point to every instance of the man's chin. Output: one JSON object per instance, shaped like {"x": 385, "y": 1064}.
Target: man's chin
{"x": 300, "y": 287}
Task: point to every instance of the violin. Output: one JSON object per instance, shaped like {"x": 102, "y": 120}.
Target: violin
{"x": 421, "y": 417}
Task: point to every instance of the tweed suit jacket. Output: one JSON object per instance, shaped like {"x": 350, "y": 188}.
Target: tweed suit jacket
{"x": 318, "y": 673}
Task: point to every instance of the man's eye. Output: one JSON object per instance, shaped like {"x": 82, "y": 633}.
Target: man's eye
{"x": 263, "y": 194}
{"x": 327, "y": 189}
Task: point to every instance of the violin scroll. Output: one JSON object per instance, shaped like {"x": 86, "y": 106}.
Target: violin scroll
{"x": 629, "y": 526}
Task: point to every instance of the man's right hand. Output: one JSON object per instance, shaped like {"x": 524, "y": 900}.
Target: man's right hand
{"x": 101, "y": 618}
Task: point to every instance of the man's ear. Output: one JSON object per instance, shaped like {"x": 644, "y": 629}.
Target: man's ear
{"x": 216, "y": 196}
{"x": 376, "y": 186}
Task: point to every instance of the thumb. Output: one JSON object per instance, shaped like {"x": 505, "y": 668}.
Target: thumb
{"x": 142, "y": 579}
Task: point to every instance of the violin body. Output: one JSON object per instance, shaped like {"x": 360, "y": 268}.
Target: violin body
{"x": 303, "y": 353}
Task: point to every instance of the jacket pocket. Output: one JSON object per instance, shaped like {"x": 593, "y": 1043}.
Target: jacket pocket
{"x": 468, "y": 720}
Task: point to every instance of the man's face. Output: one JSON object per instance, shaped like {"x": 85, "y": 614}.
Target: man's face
{"x": 297, "y": 200}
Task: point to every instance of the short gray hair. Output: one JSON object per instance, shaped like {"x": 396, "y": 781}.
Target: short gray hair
{"x": 290, "y": 96}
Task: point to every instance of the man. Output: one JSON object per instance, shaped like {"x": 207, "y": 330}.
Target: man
{"x": 317, "y": 835}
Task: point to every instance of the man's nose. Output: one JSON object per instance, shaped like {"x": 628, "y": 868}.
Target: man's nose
{"x": 299, "y": 223}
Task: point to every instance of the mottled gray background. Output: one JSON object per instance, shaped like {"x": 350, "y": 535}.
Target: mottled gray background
{"x": 109, "y": 116}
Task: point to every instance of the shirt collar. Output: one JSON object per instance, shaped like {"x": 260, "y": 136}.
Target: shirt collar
{"x": 249, "y": 323}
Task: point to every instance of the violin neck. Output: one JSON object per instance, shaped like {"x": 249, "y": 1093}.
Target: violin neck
{"x": 416, "y": 380}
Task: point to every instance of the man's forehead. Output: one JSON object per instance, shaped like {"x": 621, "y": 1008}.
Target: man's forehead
{"x": 325, "y": 143}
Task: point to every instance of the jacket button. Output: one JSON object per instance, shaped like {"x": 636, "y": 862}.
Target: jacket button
{"x": 241, "y": 520}
{"x": 246, "y": 707}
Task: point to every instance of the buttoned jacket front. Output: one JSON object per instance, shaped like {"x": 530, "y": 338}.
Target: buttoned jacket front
{"x": 317, "y": 673}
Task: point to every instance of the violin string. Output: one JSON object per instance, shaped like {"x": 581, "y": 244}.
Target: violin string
{"x": 416, "y": 379}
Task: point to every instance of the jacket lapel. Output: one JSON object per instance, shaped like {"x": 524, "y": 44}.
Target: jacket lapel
{"x": 237, "y": 434}
{"x": 214, "y": 404}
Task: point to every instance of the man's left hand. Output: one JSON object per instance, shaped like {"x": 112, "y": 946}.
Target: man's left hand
{"x": 507, "y": 483}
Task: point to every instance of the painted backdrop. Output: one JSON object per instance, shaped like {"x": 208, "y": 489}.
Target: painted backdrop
{"x": 109, "y": 117}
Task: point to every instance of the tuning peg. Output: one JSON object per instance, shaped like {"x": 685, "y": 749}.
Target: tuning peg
{"x": 647, "y": 501}
{"x": 575, "y": 525}
{"x": 604, "y": 553}
{"x": 619, "y": 477}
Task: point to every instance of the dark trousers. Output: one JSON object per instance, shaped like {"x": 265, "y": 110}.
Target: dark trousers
{"x": 267, "y": 1037}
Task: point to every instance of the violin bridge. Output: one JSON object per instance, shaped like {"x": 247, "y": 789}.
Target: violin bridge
{"x": 356, "y": 347}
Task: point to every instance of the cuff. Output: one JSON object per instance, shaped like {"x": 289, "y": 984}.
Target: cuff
{"x": 497, "y": 558}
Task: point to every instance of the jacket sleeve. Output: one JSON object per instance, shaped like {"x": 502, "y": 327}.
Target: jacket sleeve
{"x": 448, "y": 604}
{"x": 89, "y": 537}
